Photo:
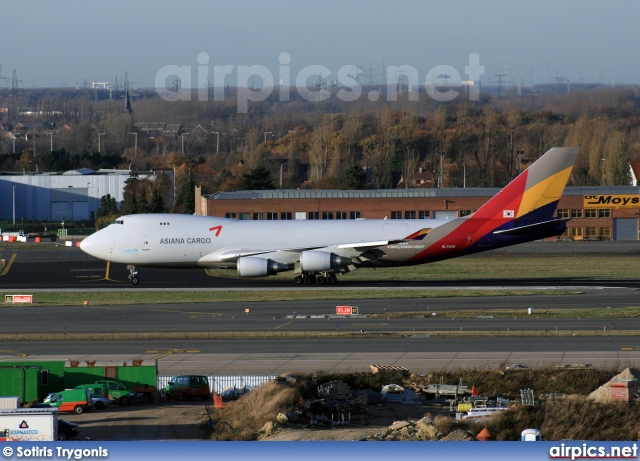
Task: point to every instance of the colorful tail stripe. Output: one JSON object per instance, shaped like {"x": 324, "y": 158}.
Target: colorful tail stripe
{"x": 418, "y": 235}
{"x": 528, "y": 200}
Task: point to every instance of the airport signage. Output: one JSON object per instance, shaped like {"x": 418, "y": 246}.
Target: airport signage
{"x": 18, "y": 299}
{"x": 612, "y": 201}
{"x": 346, "y": 310}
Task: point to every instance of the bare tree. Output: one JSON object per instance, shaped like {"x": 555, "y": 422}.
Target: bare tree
{"x": 320, "y": 155}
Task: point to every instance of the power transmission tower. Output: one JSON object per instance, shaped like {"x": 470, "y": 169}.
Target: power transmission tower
{"x": 561, "y": 81}
{"x": 400, "y": 74}
{"x": 84, "y": 99}
{"x": 499, "y": 82}
{"x": 15, "y": 103}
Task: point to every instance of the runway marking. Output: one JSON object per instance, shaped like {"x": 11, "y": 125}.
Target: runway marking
{"x": 8, "y": 265}
{"x": 283, "y": 325}
{"x": 636, "y": 348}
{"x": 7, "y": 352}
{"x": 193, "y": 314}
{"x": 166, "y": 352}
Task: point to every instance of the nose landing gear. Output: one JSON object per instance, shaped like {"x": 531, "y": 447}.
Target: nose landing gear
{"x": 133, "y": 275}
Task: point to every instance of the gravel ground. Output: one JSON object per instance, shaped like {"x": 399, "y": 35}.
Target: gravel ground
{"x": 173, "y": 420}
{"x": 178, "y": 420}
{"x": 377, "y": 421}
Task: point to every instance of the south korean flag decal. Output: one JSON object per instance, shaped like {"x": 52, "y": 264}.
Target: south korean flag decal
{"x": 508, "y": 214}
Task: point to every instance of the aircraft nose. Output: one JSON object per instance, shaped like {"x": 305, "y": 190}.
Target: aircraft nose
{"x": 90, "y": 244}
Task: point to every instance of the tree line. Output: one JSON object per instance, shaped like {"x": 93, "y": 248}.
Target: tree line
{"x": 333, "y": 144}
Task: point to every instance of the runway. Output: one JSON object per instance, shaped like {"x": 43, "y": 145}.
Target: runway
{"x": 70, "y": 269}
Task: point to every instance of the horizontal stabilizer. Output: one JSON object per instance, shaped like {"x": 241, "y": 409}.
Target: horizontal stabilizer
{"x": 532, "y": 228}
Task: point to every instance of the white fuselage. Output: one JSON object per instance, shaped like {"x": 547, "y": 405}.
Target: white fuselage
{"x": 200, "y": 241}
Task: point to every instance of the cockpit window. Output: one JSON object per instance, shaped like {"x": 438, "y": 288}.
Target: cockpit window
{"x": 118, "y": 221}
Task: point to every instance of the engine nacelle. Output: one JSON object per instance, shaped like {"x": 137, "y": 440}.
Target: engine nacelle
{"x": 250, "y": 266}
{"x": 318, "y": 261}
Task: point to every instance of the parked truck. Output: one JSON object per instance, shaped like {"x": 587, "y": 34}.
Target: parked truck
{"x": 119, "y": 393}
{"x": 29, "y": 424}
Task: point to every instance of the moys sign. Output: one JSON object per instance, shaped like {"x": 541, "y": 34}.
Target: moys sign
{"x": 612, "y": 201}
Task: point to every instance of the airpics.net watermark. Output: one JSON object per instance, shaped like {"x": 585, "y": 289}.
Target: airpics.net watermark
{"x": 346, "y": 79}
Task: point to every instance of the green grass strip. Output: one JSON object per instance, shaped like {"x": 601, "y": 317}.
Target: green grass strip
{"x": 129, "y": 297}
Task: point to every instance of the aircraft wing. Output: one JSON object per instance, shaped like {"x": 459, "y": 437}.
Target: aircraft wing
{"x": 364, "y": 246}
{"x": 234, "y": 255}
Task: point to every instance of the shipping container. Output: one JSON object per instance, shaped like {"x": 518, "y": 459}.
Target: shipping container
{"x": 22, "y": 381}
{"x": 9, "y": 402}
{"x": 29, "y": 424}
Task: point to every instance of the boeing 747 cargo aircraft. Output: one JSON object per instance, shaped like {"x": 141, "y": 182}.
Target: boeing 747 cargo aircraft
{"x": 316, "y": 251}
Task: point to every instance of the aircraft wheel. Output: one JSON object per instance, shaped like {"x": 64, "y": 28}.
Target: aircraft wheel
{"x": 298, "y": 280}
{"x": 321, "y": 280}
{"x": 135, "y": 280}
{"x": 331, "y": 279}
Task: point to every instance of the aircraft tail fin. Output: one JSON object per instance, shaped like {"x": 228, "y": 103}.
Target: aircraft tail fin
{"x": 534, "y": 194}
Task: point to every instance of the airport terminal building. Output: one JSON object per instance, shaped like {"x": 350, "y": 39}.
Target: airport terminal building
{"x": 597, "y": 213}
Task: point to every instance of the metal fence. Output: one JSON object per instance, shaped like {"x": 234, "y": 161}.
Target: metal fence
{"x": 220, "y": 383}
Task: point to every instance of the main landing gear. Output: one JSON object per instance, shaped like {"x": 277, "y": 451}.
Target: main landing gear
{"x": 133, "y": 275}
{"x": 321, "y": 279}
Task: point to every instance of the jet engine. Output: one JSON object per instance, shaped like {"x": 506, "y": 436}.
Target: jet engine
{"x": 317, "y": 261}
{"x": 250, "y": 266}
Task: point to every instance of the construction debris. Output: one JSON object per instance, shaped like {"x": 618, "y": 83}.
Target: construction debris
{"x": 389, "y": 369}
{"x": 399, "y": 425}
{"x": 621, "y": 388}
{"x": 393, "y": 393}
{"x": 575, "y": 366}
{"x": 334, "y": 388}
{"x": 458, "y": 436}
{"x": 438, "y": 390}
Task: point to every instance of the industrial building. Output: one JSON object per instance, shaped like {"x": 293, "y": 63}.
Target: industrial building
{"x": 597, "y": 213}
{"x": 70, "y": 196}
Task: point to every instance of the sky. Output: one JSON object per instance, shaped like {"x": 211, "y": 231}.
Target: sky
{"x": 56, "y": 44}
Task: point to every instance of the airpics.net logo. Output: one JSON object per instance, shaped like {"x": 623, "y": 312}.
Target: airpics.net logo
{"x": 256, "y": 83}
